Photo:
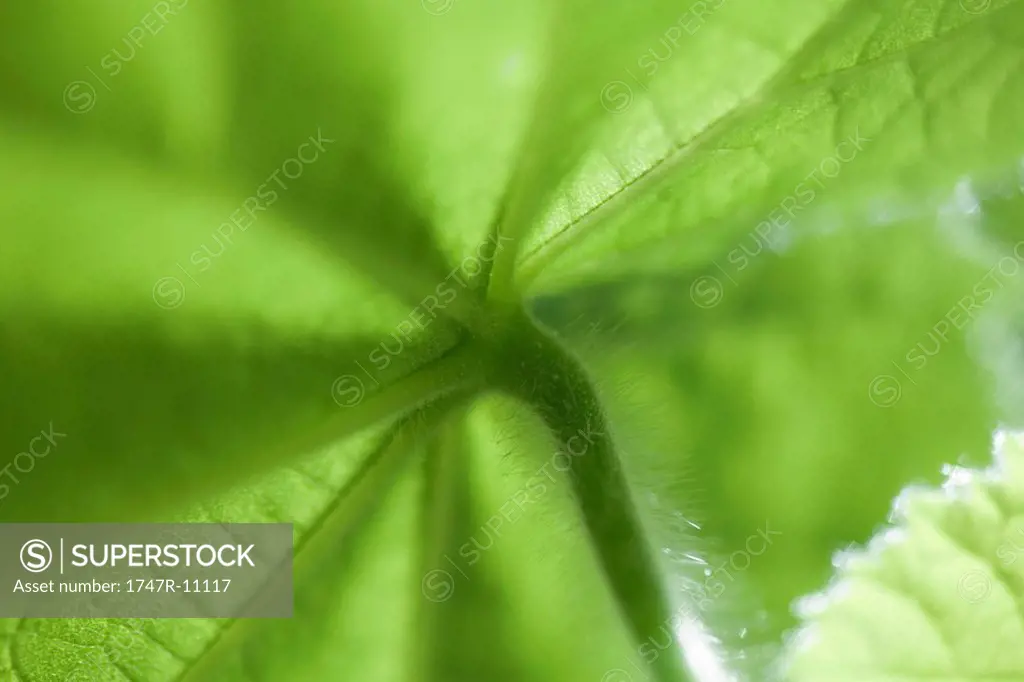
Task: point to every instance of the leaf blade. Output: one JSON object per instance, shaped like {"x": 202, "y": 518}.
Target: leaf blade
{"x": 107, "y": 339}
{"x": 750, "y": 163}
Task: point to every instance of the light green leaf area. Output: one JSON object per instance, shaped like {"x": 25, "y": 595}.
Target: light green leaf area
{"x": 239, "y": 359}
{"x": 218, "y": 97}
{"x": 936, "y": 596}
{"x": 814, "y": 114}
{"x": 156, "y": 650}
{"x": 151, "y": 284}
{"x": 525, "y": 551}
{"x": 420, "y": 136}
{"x": 581, "y": 49}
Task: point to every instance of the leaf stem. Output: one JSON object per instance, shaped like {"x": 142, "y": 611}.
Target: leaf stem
{"x": 535, "y": 368}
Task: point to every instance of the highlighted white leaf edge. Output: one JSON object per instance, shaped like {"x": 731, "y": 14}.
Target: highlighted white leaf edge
{"x": 962, "y": 484}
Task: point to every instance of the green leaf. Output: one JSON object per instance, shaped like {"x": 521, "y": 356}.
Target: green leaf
{"x": 338, "y": 558}
{"x": 571, "y": 478}
{"x": 937, "y": 595}
{"x": 582, "y": 48}
{"x": 206, "y": 380}
{"x": 286, "y": 126}
{"x": 153, "y": 649}
{"x": 463, "y": 623}
{"x": 820, "y": 115}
